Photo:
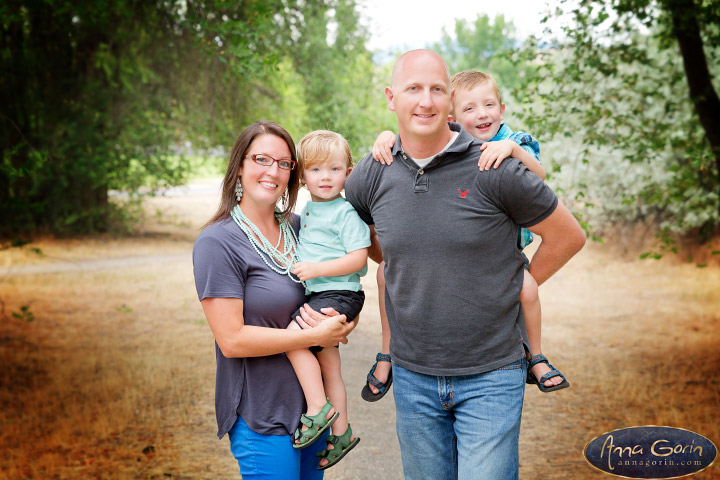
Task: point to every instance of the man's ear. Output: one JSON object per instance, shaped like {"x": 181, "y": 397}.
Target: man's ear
{"x": 389, "y": 95}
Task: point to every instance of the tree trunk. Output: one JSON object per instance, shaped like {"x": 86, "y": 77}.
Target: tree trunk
{"x": 702, "y": 93}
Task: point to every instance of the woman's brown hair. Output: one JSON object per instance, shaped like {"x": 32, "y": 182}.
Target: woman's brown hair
{"x": 237, "y": 157}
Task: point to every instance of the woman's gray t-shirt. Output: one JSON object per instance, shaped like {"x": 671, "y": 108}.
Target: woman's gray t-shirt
{"x": 264, "y": 391}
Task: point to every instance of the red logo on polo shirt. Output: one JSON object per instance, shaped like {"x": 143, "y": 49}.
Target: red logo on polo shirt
{"x": 462, "y": 194}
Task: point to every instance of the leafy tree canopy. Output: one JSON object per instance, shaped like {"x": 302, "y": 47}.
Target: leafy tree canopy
{"x": 101, "y": 95}
{"x": 486, "y": 45}
{"x": 631, "y": 86}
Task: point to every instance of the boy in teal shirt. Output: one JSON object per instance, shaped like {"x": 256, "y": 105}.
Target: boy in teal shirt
{"x": 333, "y": 250}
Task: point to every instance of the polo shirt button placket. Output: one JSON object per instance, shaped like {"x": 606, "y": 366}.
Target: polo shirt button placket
{"x": 421, "y": 182}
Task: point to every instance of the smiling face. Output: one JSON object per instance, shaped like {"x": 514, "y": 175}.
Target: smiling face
{"x": 420, "y": 95}
{"x": 479, "y": 110}
{"x": 325, "y": 180}
{"x": 263, "y": 186}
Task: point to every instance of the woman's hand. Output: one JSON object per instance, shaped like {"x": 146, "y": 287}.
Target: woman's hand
{"x": 311, "y": 318}
{"x": 382, "y": 147}
{"x": 331, "y": 327}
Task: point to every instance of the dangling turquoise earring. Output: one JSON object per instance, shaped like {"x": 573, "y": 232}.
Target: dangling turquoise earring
{"x": 238, "y": 190}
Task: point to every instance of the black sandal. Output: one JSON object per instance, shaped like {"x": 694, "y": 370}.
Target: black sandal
{"x": 383, "y": 388}
{"x": 554, "y": 372}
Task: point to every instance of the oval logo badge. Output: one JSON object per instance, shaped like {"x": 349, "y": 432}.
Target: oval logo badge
{"x": 650, "y": 452}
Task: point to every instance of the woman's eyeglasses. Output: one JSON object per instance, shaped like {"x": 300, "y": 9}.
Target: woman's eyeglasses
{"x": 266, "y": 160}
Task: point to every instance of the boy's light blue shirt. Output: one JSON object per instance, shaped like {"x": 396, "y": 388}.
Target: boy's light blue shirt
{"x": 330, "y": 230}
{"x": 525, "y": 140}
{"x": 530, "y": 145}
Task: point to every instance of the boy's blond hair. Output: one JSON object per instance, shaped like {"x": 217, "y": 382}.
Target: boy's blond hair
{"x": 470, "y": 79}
{"x": 318, "y": 146}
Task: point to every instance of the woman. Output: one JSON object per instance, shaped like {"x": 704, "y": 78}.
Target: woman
{"x": 242, "y": 261}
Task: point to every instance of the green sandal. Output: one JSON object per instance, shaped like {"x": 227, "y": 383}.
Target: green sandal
{"x": 317, "y": 425}
{"x": 341, "y": 446}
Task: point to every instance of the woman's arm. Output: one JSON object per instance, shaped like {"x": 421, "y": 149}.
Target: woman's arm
{"x": 345, "y": 265}
{"x": 235, "y": 339}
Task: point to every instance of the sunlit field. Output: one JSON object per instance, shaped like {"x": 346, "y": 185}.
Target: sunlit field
{"x": 114, "y": 375}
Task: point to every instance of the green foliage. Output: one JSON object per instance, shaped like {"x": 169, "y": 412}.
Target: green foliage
{"x": 612, "y": 106}
{"x": 90, "y": 99}
{"x": 98, "y": 96}
{"x": 124, "y": 309}
{"x": 334, "y": 75}
{"x": 485, "y": 45}
{"x": 25, "y": 314}
{"x": 22, "y": 244}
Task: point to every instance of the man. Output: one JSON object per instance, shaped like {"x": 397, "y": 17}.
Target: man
{"x": 453, "y": 277}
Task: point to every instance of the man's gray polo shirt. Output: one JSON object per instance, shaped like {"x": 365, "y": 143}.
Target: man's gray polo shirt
{"x": 453, "y": 272}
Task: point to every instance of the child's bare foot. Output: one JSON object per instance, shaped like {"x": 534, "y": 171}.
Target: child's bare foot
{"x": 379, "y": 379}
{"x": 541, "y": 369}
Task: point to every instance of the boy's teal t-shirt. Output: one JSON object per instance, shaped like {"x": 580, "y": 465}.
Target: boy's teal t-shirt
{"x": 530, "y": 145}
{"x": 330, "y": 230}
{"x": 525, "y": 140}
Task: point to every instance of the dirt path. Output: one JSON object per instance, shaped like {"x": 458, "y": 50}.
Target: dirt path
{"x": 119, "y": 359}
{"x": 92, "y": 265}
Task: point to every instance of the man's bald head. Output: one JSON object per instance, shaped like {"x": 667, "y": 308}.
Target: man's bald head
{"x": 420, "y": 96}
{"x": 420, "y": 56}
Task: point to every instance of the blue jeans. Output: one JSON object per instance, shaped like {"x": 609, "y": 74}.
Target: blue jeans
{"x": 272, "y": 457}
{"x": 461, "y": 427}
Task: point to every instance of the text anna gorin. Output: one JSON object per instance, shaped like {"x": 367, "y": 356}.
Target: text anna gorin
{"x": 650, "y": 452}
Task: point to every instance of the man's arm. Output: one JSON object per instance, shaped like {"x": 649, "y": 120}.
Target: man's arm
{"x": 562, "y": 238}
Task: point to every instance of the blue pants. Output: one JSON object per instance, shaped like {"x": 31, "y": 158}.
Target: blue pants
{"x": 460, "y": 427}
{"x": 272, "y": 457}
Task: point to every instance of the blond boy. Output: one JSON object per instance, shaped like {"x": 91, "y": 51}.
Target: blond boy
{"x": 332, "y": 247}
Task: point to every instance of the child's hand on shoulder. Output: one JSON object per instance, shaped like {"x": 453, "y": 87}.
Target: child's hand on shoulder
{"x": 381, "y": 150}
{"x": 494, "y": 153}
{"x": 306, "y": 270}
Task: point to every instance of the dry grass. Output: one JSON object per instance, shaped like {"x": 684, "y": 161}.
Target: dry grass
{"x": 99, "y": 384}
{"x": 115, "y": 377}
{"x": 638, "y": 341}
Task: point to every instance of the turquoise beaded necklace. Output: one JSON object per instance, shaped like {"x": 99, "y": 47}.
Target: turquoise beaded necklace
{"x": 281, "y": 261}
